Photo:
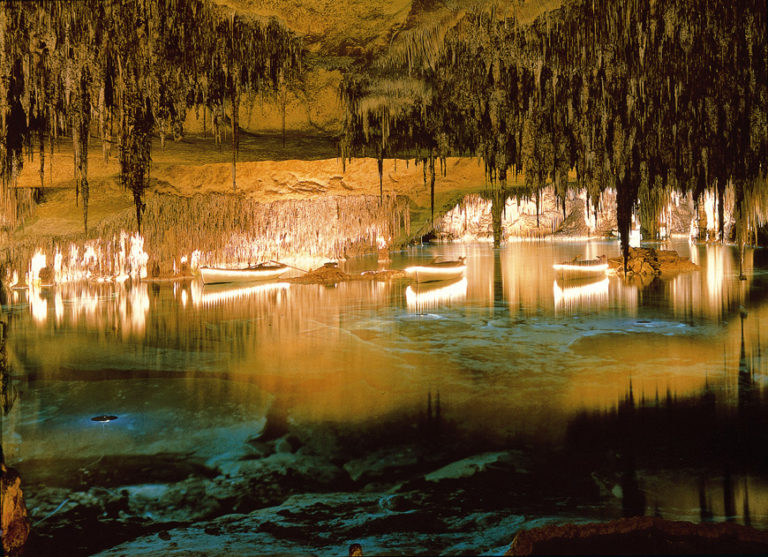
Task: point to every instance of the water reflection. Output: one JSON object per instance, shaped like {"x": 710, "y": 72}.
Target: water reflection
{"x": 698, "y": 456}
{"x": 212, "y": 295}
{"x": 579, "y": 295}
{"x": 38, "y": 305}
{"x": 93, "y": 306}
{"x": 589, "y": 338}
{"x": 426, "y": 296}
{"x": 715, "y": 290}
{"x": 240, "y": 384}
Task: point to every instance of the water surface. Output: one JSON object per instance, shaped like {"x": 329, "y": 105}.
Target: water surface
{"x": 307, "y": 417}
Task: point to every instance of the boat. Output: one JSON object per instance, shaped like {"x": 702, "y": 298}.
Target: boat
{"x": 581, "y": 268}
{"x": 438, "y": 269}
{"x": 252, "y": 273}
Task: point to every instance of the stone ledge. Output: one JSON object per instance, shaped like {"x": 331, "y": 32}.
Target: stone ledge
{"x": 640, "y": 536}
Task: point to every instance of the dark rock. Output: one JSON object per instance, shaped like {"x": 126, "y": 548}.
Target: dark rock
{"x": 640, "y": 536}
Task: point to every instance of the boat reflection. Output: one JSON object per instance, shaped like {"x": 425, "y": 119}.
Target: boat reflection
{"x": 425, "y": 296}
{"x": 215, "y": 294}
{"x": 580, "y": 294}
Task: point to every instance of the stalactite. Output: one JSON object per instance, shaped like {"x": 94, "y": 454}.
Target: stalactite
{"x": 235, "y": 123}
{"x": 41, "y": 138}
{"x": 56, "y": 57}
{"x": 80, "y": 135}
{"x": 380, "y": 165}
{"x": 283, "y": 105}
{"x": 432, "y": 188}
{"x": 721, "y": 184}
{"x": 586, "y": 101}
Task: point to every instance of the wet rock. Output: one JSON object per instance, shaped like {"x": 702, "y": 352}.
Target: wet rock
{"x": 650, "y": 263}
{"x": 286, "y": 472}
{"x": 323, "y": 275}
{"x": 384, "y": 274}
{"x": 13, "y": 511}
{"x": 283, "y": 446}
{"x": 642, "y": 536}
{"x": 379, "y": 464}
{"x": 466, "y": 467}
{"x": 191, "y": 499}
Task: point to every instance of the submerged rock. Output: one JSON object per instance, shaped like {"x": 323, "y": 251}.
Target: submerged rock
{"x": 643, "y": 535}
{"x": 466, "y": 467}
{"x": 13, "y": 518}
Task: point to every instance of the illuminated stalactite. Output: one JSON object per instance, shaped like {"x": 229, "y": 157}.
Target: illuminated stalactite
{"x": 227, "y": 230}
{"x": 128, "y": 63}
{"x": 643, "y": 97}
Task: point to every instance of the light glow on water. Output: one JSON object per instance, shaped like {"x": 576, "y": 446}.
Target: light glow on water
{"x": 507, "y": 350}
{"x": 123, "y": 308}
{"x": 38, "y": 305}
{"x": 574, "y": 296}
{"x": 428, "y": 296}
{"x": 211, "y": 295}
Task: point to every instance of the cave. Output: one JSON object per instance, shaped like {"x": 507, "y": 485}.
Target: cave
{"x": 394, "y": 277}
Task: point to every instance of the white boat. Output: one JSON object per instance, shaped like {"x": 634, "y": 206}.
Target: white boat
{"x": 581, "y": 268}
{"x": 263, "y": 271}
{"x": 437, "y": 270}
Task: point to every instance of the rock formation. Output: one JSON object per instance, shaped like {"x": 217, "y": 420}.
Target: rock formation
{"x": 13, "y": 511}
{"x": 649, "y": 263}
{"x": 640, "y": 536}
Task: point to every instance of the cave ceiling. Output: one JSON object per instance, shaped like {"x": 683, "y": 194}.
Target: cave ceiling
{"x": 339, "y": 33}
